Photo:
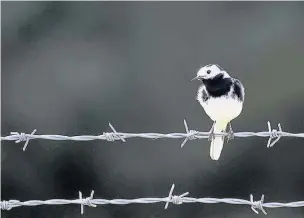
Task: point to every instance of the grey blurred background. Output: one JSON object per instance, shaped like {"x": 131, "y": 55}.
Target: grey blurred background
{"x": 71, "y": 67}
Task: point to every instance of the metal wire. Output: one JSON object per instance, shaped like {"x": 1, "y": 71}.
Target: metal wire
{"x": 273, "y": 134}
{"x": 256, "y": 206}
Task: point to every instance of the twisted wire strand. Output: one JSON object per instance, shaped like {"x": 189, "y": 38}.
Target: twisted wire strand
{"x": 256, "y": 206}
{"x": 273, "y": 134}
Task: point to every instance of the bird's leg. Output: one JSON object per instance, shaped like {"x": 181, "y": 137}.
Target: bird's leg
{"x": 211, "y": 132}
{"x": 230, "y": 134}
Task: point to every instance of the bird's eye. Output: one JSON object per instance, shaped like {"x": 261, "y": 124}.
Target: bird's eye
{"x": 208, "y": 71}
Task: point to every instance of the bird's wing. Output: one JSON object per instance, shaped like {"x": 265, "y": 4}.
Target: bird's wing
{"x": 239, "y": 89}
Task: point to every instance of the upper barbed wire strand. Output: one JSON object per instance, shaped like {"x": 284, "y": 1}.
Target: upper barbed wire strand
{"x": 273, "y": 134}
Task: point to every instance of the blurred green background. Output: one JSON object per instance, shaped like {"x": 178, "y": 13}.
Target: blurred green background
{"x": 71, "y": 67}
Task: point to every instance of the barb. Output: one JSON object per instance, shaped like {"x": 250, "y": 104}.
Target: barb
{"x": 175, "y": 199}
{"x": 273, "y": 134}
{"x": 255, "y": 205}
{"x": 23, "y": 137}
{"x": 87, "y": 201}
{"x": 112, "y": 136}
{"x": 189, "y": 135}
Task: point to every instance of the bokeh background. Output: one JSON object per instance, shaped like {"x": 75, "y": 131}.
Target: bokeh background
{"x": 71, "y": 67}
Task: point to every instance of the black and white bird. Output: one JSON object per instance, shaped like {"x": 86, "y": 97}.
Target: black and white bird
{"x": 222, "y": 98}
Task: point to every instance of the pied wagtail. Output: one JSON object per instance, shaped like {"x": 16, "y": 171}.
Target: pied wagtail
{"x": 222, "y": 98}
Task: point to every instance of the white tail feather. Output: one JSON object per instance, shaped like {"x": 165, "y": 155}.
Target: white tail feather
{"x": 218, "y": 142}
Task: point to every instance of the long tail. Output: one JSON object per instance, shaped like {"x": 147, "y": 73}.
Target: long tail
{"x": 218, "y": 142}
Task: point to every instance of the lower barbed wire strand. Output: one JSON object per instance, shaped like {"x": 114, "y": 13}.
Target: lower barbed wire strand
{"x": 278, "y": 205}
{"x": 15, "y": 203}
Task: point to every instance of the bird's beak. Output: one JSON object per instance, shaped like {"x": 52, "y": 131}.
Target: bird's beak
{"x": 195, "y": 78}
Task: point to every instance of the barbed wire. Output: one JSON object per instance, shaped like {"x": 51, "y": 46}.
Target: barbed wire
{"x": 256, "y": 206}
{"x": 175, "y": 199}
{"x": 273, "y": 134}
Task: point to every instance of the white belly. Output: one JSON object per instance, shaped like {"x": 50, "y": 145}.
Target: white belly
{"x": 222, "y": 108}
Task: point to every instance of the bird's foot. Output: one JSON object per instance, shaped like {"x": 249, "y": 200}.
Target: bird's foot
{"x": 211, "y": 133}
{"x": 230, "y": 134}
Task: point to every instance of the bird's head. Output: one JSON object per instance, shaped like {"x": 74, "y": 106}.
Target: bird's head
{"x": 210, "y": 72}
